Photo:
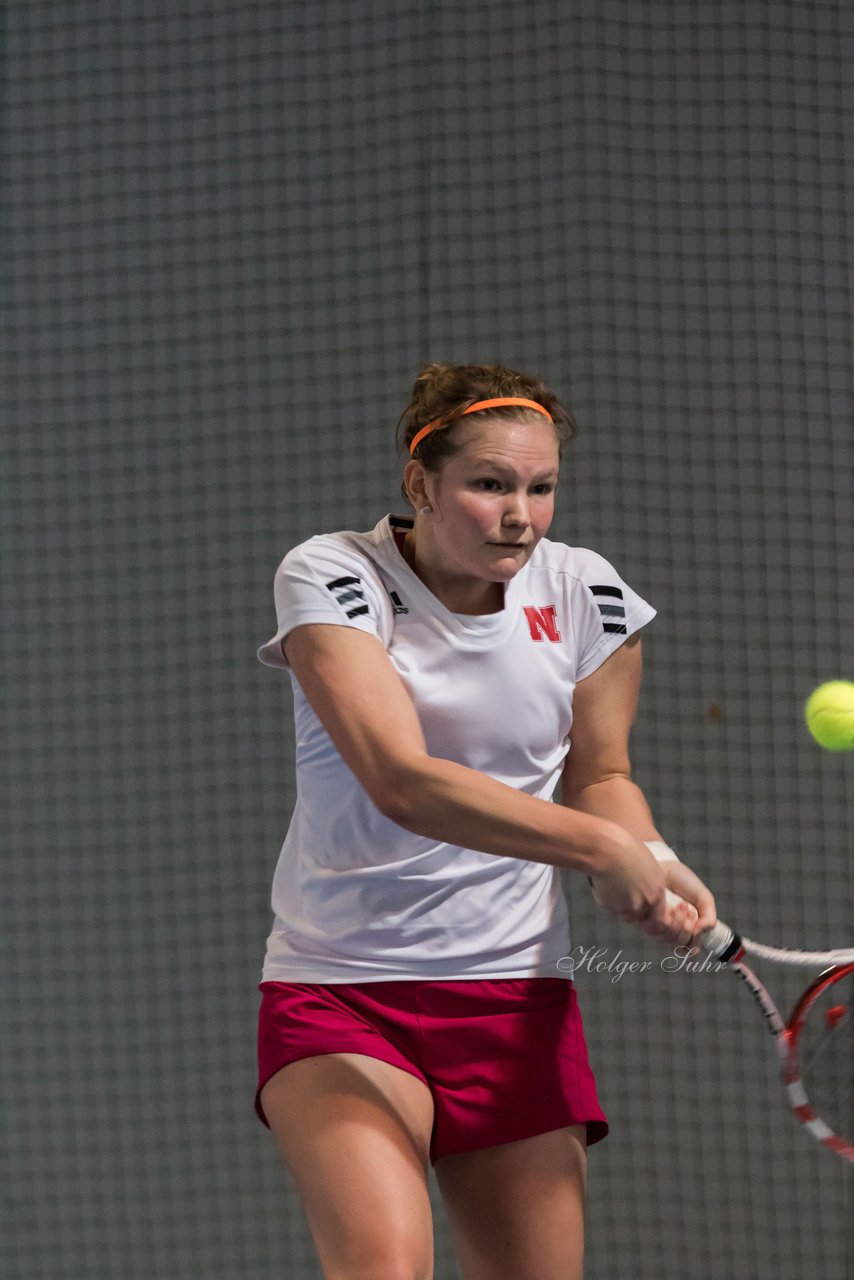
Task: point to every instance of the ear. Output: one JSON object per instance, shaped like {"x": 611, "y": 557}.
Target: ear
{"x": 413, "y": 482}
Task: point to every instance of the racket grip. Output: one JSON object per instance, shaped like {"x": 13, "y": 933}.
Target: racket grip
{"x": 720, "y": 941}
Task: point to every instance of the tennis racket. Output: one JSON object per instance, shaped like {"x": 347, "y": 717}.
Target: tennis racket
{"x": 815, "y": 1044}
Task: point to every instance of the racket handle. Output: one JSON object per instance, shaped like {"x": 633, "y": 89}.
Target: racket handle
{"x": 720, "y": 941}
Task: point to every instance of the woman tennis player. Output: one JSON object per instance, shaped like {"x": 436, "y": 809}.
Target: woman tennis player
{"x": 413, "y": 1011}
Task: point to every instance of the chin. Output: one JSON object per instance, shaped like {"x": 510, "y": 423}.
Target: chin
{"x": 505, "y": 574}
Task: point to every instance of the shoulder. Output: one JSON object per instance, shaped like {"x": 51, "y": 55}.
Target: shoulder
{"x": 579, "y": 565}
{"x": 342, "y": 564}
{"x": 601, "y": 602}
{"x": 324, "y": 546}
{"x": 328, "y": 578}
{"x": 324, "y": 553}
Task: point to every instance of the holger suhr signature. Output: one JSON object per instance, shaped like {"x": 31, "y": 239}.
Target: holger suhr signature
{"x": 598, "y": 960}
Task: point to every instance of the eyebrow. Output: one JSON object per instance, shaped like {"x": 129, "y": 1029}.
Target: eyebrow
{"x": 493, "y": 465}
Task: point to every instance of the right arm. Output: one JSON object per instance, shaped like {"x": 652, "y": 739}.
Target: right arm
{"x": 359, "y": 698}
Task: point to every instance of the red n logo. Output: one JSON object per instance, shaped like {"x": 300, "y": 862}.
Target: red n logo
{"x": 541, "y": 622}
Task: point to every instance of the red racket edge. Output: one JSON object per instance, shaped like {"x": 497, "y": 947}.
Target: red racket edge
{"x": 796, "y": 1093}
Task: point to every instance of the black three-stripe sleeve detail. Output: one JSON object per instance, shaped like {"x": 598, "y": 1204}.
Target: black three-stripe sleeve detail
{"x": 345, "y": 590}
{"x": 612, "y": 611}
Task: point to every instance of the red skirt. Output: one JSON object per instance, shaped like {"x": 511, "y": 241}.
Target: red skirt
{"x": 503, "y": 1059}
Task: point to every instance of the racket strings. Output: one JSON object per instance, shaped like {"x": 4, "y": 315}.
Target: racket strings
{"x": 825, "y": 1051}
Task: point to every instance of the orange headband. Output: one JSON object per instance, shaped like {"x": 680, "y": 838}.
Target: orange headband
{"x": 481, "y": 404}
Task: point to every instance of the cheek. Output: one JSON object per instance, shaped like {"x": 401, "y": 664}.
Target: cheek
{"x": 475, "y": 508}
{"x": 543, "y": 508}
{"x": 545, "y": 512}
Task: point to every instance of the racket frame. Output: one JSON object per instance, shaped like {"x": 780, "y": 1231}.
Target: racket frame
{"x": 785, "y": 1036}
{"x": 792, "y": 1080}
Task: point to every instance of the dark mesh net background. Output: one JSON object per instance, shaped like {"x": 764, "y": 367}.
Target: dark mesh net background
{"x": 231, "y": 236}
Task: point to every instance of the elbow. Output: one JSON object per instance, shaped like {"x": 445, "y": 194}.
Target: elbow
{"x": 396, "y": 795}
{"x": 396, "y": 809}
{"x": 399, "y": 809}
{"x": 579, "y": 780}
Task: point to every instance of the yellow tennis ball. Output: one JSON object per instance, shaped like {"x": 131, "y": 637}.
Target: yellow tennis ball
{"x": 830, "y": 715}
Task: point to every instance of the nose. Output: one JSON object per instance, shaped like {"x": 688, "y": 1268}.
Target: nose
{"x": 516, "y": 514}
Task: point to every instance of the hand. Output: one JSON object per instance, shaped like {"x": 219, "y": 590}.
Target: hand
{"x": 676, "y": 924}
{"x": 677, "y": 917}
{"x": 685, "y": 889}
{"x": 689, "y": 912}
{"x": 631, "y": 883}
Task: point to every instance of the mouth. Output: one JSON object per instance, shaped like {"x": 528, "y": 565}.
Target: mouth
{"x": 517, "y": 546}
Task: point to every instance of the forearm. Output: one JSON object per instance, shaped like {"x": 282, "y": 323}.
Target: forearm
{"x": 452, "y": 803}
{"x": 619, "y": 800}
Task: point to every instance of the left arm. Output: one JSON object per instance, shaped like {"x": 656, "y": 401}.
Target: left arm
{"x": 597, "y": 776}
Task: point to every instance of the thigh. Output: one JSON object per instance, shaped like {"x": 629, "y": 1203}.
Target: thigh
{"x": 518, "y": 1209}
{"x": 355, "y": 1134}
{"x": 506, "y": 1060}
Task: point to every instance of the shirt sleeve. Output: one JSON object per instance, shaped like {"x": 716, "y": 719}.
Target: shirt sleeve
{"x": 607, "y": 611}
{"x": 321, "y": 580}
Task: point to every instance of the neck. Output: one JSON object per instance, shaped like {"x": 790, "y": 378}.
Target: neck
{"x": 459, "y": 596}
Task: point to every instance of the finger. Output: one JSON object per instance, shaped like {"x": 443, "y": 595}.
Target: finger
{"x": 701, "y": 910}
{"x": 677, "y": 908}
{"x": 669, "y": 934}
{"x": 707, "y": 914}
{"x": 679, "y": 925}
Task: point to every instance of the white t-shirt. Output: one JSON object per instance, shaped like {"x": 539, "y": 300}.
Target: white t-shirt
{"x": 359, "y": 899}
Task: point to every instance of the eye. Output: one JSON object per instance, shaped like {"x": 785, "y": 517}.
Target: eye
{"x": 540, "y": 489}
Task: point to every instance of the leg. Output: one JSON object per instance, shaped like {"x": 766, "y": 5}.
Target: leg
{"x": 518, "y": 1209}
{"x": 355, "y": 1133}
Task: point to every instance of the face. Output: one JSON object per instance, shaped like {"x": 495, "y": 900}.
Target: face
{"x": 494, "y": 500}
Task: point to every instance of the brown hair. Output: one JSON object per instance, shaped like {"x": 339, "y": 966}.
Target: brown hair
{"x": 445, "y": 390}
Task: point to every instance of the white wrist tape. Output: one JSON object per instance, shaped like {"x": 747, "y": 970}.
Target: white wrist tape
{"x": 661, "y": 851}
